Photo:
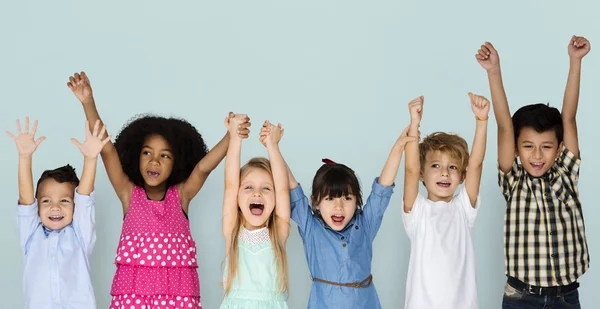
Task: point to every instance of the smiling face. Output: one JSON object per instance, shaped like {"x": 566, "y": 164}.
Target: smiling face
{"x": 537, "y": 151}
{"x": 256, "y": 197}
{"x": 55, "y": 203}
{"x": 441, "y": 175}
{"x": 337, "y": 211}
{"x": 156, "y": 161}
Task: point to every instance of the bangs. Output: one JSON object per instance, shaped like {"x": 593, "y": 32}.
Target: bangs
{"x": 338, "y": 181}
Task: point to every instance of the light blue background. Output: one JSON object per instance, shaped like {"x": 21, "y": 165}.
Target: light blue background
{"x": 337, "y": 74}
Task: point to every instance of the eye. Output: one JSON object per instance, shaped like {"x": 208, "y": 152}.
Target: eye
{"x": 247, "y": 187}
{"x": 328, "y": 198}
{"x": 146, "y": 153}
{"x": 527, "y": 146}
{"x": 166, "y": 156}
{"x": 547, "y": 147}
{"x": 45, "y": 201}
{"x": 267, "y": 189}
{"x": 435, "y": 165}
{"x": 348, "y": 198}
{"x": 65, "y": 201}
{"x": 453, "y": 167}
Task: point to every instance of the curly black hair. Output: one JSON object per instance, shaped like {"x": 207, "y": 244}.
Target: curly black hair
{"x": 186, "y": 143}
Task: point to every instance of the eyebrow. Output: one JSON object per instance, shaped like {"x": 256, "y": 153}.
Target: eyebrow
{"x": 531, "y": 142}
{"x": 164, "y": 149}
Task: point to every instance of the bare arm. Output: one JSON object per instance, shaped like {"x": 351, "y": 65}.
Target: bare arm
{"x": 390, "y": 169}
{"x": 281, "y": 182}
{"x": 412, "y": 164}
{"x": 578, "y": 48}
{"x": 26, "y": 145}
{"x": 80, "y": 85}
{"x": 481, "y": 108}
{"x": 232, "y": 179}
{"x": 488, "y": 57}
{"x": 264, "y": 132}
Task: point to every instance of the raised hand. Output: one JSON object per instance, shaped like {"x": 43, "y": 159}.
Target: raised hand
{"x": 415, "y": 108}
{"x": 487, "y": 56}
{"x": 80, "y": 85}
{"x": 238, "y": 125}
{"x": 94, "y": 141}
{"x": 26, "y": 142}
{"x": 270, "y": 134}
{"x": 404, "y": 138}
{"x": 579, "y": 47}
{"x": 480, "y": 106}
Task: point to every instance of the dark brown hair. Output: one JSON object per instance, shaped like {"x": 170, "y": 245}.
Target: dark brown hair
{"x": 61, "y": 175}
{"x": 335, "y": 180}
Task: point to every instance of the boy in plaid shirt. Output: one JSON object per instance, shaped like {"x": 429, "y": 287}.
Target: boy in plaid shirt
{"x": 545, "y": 247}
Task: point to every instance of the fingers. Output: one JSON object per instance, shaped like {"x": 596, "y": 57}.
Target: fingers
{"x": 106, "y": 140}
{"x": 39, "y": 140}
{"x": 84, "y": 77}
{"x": 102, "y": 132}
{"x": 72, "y": 82}
{"x": 34, "y": 129}
{"x": 490, "y": 48}
{"x": 19, "y": 127}
{"x": 76, "y": 142}
{"x": 10, "y": 135}
{"x": 26, "y": 125}
{"x": 96, "y": 127}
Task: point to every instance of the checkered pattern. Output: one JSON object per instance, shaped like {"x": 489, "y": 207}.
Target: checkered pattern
{"x": 544, "y": 232}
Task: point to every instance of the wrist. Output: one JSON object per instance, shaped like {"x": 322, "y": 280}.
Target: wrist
{"x": 26, "y": 156}
{"x": 494, "y": 70}
{"x": 483, "y": 118}
{"x": 87, "y": 101}
{"x": 575, "y": 61}
{"x": 90, "y": 159}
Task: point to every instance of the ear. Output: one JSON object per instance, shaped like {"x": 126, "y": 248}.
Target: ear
{"x": 463, "y": 177}
{"x": 421, "y": 178}
{"x": 559, "y": 150}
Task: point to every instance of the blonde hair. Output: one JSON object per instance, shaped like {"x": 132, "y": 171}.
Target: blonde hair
{"x": 278, "y": 247}
{"x": 451, "y": 144}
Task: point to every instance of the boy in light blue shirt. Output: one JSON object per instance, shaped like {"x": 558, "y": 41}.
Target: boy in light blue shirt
{"x": 57, "y": 225}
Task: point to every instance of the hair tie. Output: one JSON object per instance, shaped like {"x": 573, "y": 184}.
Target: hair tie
{"x": 328, "y": 162}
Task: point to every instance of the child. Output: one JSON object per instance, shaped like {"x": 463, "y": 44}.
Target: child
{"x": 545, "y": 248}
{"x": 256, "y": 224}
{"x": 57, "y": 226}
{"x": 338, "y": 233}
{"x": 441, "y": 272}
{"x": 156, "y": 166}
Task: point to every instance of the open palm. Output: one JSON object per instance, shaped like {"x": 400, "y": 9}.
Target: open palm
{"x": 94, "y": 141}
{"x": 25, "y": 140}
{"x": 80, "y": 85}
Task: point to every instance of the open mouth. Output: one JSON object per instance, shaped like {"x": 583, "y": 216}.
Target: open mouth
{"x": 256, "y": 208}
{"x": 443, "y": 184}
{"x": 337, "y": 220}
{"x": 56, "y": 218}
{"x": 537, "y": 166}
{"x": 152, "y": 174}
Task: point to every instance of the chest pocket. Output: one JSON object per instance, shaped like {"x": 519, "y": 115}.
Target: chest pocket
{"x": 359, "y": 240}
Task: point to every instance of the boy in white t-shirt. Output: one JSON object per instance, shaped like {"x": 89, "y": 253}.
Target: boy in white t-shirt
{"x": 441, "y": 272}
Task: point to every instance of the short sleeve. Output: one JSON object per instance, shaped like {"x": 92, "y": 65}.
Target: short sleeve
{"x": 84, "y": 220}
{"x": 569, "y": 163}
{"x": 507, "y": 181}
{"x": 28, "y": 221}
{"x": 376, "y": 204}
{"x": 465, "y": 205}
{"x": 411, "y": 219}
{"x": 301, "y": 211}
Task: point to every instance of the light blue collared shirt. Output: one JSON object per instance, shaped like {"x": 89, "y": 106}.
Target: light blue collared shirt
{"x": 56, "y": 267}
{"x": 342, "y": 257}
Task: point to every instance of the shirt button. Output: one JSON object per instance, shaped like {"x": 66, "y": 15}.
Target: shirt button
{"x": 342, "y": 238}
{"x": 344, "y": 245}
{"x": 356, "y": 227}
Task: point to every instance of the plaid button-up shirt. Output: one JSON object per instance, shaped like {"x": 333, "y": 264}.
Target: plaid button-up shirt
{"x": 544, "y": 232}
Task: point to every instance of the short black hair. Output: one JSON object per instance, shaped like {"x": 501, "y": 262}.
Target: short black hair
{"x": 540, "y": 117}
{"x": 61, "y": 175}
{"x": 335, "y": 180}
{"x": 186, "y": 144}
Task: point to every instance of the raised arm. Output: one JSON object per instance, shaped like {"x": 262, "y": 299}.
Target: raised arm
{"x": 194, "y": 183}
{"x": 578, "y": 48}
{"x": 232, "y": 177}
{"x": 80, "y": 85}
{"x": 488, "y": 58}
{"x": 26, "y": 145}
{"x": 481, "y": 109}
{"x": 91, "y": 147}
{"x": 412, "y": 165}
{"x": 264, "y": 132}
{"x": 390, "y": 169}
{"x": 280, "y": 180}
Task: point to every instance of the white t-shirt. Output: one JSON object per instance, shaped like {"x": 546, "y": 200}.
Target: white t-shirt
{"x": 441, "y": 272}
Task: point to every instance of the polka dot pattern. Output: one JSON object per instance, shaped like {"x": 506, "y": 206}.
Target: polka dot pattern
{"x": 156, "y": 254}
{"x": 134, "y": 301}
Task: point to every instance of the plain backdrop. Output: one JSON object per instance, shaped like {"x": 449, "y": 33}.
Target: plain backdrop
{"x": 337, "y": 74}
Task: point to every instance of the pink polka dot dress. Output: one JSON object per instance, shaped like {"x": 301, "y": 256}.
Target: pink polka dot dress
{"x": 156, "y": 256}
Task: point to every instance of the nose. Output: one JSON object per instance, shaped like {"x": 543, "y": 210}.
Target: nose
{"x": 445, "y": 172}
{"x": 337, "y": 203}
{"x": 256, "y": 193}
{"x": 537, "y": 153}
{"x": 54, "y": 206}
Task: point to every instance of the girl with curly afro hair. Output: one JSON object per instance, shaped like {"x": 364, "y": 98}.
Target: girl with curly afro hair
{"x": 156, "y": 166}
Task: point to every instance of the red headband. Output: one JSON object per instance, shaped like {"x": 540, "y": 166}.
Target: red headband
{"x": 328, "y": 162}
